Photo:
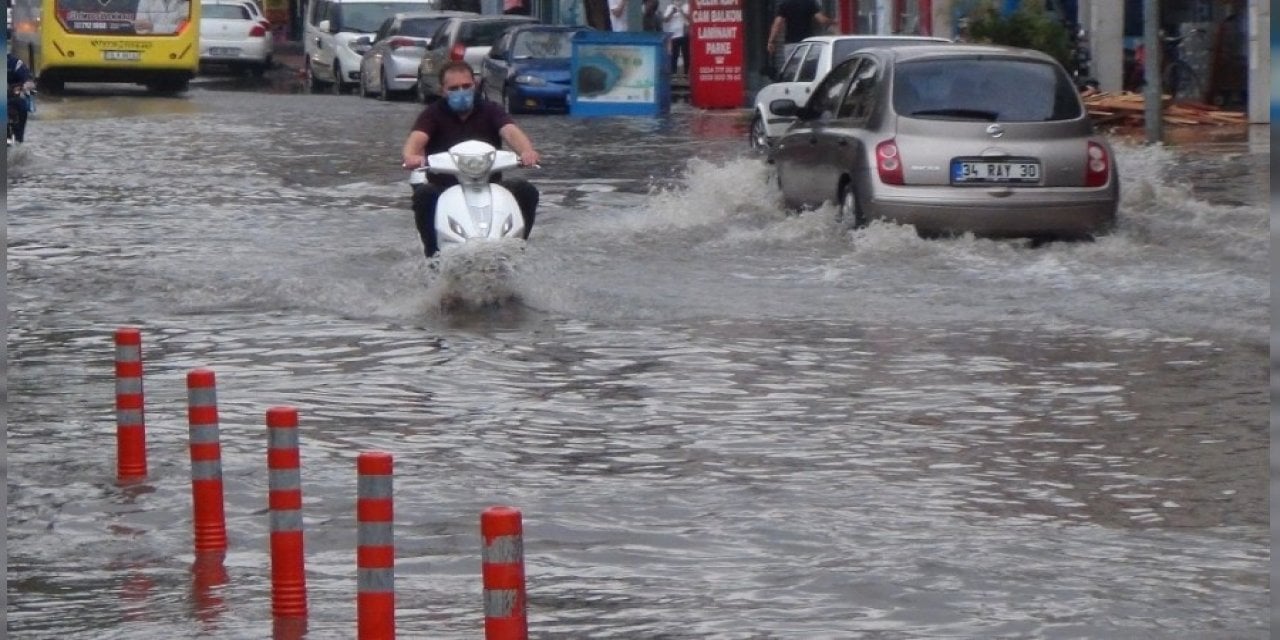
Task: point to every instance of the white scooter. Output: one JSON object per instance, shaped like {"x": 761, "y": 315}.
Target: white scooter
{"x": 474, "y": 209}
{"x": 479, "y": 228}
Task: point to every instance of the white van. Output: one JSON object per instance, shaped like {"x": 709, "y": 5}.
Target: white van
{"x": 333, "y": 29}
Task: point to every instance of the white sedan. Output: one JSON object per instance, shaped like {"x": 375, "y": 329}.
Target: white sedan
{"x": 233, "y": 34}
{"x": 807, "y": 63}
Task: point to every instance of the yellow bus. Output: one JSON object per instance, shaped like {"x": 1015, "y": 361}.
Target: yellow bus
{"x": 149, "y": 42}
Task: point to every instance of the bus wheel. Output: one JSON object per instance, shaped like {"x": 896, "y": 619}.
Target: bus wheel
{"x": 168, "y": 86}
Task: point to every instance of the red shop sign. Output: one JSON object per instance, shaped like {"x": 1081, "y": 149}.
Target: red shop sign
{"x": 717, "y": 48}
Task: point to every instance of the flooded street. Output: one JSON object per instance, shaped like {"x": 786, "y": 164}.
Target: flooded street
{"x": 719, "y": 420}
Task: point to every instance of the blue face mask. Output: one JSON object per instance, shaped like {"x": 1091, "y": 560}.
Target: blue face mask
{"x": 462, "y": 100}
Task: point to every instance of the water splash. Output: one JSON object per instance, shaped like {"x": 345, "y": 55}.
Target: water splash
{"x": 476, "y": 275}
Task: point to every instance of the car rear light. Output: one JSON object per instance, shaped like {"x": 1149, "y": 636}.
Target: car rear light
{"x": 258, "y": 31}
{"x": 458, "y": 52}
{"x": 265, "y": 25}
{"x": 1098, "y": 169}
{"x": 888, "y": 164}
{"x": 396, "y": 43}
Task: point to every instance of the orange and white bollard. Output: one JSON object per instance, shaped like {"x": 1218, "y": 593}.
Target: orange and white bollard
{"x": 131, "y": 433}
{"x": 284, "y": 484}
{"x": 375, "y": 548}
{"x": 208, "y": 513}
{"x": 503, "y": 567}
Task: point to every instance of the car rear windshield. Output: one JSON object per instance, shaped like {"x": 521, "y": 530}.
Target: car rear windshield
{"x": 992, "y": 89}
{"x": 366, "y": 17}
{"x": 483, "y": 33}
{"x": 224, "y": 11}
{"x": 543, "y": 44}
{"x": 421, "y": 27}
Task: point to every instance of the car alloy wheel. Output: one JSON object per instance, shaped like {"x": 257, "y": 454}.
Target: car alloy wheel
{"x": 759, "y": 138}
{"x": 312, "y": 81}
{"x": 509, "y": 97}
{"x": 848, "y": 215}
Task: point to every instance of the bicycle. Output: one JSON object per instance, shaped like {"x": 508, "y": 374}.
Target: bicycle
{"x": 1178, "y": 78}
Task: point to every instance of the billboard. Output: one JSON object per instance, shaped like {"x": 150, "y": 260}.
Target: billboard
{"x": 717, "y": 43}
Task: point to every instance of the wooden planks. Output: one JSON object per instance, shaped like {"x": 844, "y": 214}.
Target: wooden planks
{"x": 1127, "y": 109}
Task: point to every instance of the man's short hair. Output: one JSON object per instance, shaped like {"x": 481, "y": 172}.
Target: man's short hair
{"x": 454, "y": 66}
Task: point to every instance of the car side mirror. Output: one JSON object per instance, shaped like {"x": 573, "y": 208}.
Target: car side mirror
{"x": 785, "y": 107}
{"x": 324, "y": 26}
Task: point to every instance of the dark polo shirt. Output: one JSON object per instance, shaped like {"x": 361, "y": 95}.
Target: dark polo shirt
{"x": 444, "y": 129}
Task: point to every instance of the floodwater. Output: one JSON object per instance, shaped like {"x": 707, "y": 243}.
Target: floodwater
{"x": 718, "y": 420}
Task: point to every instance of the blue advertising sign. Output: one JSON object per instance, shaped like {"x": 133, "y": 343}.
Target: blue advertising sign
{"x": 620, "y": 74}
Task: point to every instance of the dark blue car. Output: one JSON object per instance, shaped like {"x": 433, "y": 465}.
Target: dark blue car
{"x": 528, "y": 68}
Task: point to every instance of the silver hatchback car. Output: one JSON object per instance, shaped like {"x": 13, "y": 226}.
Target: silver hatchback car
{"x": 390, "y": 65}
{"x": 951, "y": 139}
{"x": 462, "y": 38}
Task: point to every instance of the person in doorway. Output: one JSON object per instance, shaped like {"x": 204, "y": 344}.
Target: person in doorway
{"x": 649, "y": 20}
{"x": 516, "y": 7}
{"x": 618, "y": 15}
{"x": 675, "y": 22}
{"x": 19, "y": 106}
{"x": 461, "y": 116}
{"x": 794, "y": 21}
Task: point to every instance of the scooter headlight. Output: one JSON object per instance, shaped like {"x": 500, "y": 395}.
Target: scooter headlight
{"x": 474, "y": 166}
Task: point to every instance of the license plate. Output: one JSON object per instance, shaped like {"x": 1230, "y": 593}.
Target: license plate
{"x": 121, "y": 55}
{"x": 986, "y": 171}
{"x": 224, "y": 51}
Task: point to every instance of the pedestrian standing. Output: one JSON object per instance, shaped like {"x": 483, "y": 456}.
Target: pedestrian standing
{"x": 794, "y": 21}
{"x": 675, "y": 22}
{"x": 618, "y": 15}
{"x": 649, "y": 20}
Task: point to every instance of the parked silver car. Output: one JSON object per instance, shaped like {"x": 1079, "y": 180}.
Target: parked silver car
{"x": 808, "y": 62}
{"x": 331, "y": 37}
{"x": 463, "y": 38}
{"x": 951, "y": 139}
{"x": 390, "y": 65}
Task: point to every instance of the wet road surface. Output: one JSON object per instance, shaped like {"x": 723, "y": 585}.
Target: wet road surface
{"x": 719, "y": 420}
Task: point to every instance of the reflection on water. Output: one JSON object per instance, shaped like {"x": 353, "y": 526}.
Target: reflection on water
{"x": 719, "y": 419}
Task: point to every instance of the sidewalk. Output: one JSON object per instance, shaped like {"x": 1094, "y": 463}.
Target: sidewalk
{"x": 289, "y": 55}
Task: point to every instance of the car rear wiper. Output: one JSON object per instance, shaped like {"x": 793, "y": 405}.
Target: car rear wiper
{"x": 973, "y": 114}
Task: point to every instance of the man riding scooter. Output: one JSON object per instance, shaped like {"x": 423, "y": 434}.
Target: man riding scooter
{"x": 459, "y": 117}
